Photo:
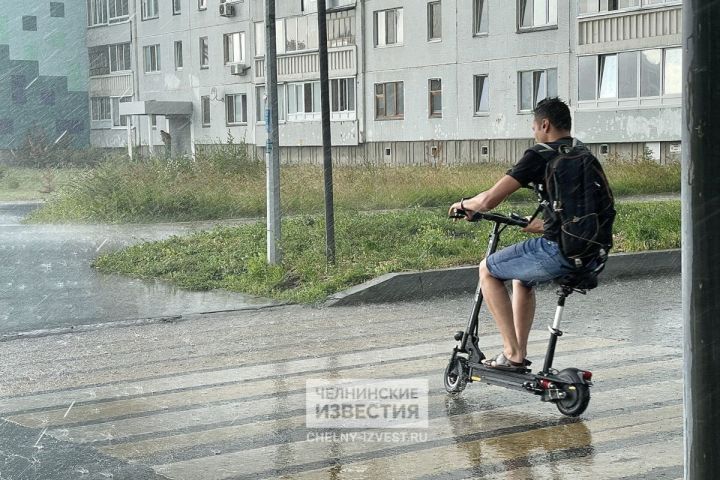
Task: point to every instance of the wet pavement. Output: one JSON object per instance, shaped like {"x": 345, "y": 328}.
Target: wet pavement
{"x": 46, "y": 281}
{"x": 222, "y": 396}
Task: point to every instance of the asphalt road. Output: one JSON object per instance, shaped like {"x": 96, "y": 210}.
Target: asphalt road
{"x": 46, "y": 281}
{"x": 223, "y": 396}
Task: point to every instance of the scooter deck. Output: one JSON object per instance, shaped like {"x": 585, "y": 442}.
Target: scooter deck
{"x": 501, "y": 378}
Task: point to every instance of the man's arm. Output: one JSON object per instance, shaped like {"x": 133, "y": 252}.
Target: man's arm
{"x": 490, "y": 199}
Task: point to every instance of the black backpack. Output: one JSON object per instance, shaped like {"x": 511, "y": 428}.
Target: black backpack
{"x": 579, "y": 195}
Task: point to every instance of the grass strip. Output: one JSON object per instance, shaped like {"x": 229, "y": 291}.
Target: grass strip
{"x": 368, "y": 245}
{"x": 159, "y": 190}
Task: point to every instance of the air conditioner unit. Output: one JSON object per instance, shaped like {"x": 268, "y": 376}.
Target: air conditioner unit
{"x": 238, "y": 69}
{"x": 227, "y": 10}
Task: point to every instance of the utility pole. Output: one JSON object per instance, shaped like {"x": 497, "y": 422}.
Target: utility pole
{"x": 701, "y": 237}
{"x": 272, "y": 152}
{"x": 326, "y": 134}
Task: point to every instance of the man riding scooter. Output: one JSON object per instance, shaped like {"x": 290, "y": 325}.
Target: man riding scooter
{"x": 530, "y": 262}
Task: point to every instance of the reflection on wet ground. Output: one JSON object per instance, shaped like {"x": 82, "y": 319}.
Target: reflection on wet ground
{"x": 46, "y": 281}
{"x": 223, "y": 396}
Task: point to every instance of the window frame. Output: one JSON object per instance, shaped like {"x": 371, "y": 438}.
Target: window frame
{"x": 118, "y": 18}
{"x": 230, "y": 99}
{"x": 205, "y": 111}
{"x": 226, "y": 48}
{"x": 534, "y": 94}
{"x": 399, "y": 28}
{"x": 432, "y": 35}
{"x": 550, "y": 25}
{"x": 146, "y": 50}
{"x": 176, "y": 7}
{"x": 486, "y": 89}
{"x": 178, "y": 55}
{"x": 202, "y": 5}
{"x": 115, "y": 111}
{"x": 126, "y": 50}
{"x": 432, "y": 93}
{"x": 484, "y": 13}
{"x": 343, "y": 87}
{"x": 384, "y": 95}
{"x": 144, "y": 14}
{"x": 282, "y": 103}
{"x": 105, "y": 106}
{"x": 204, "y": 52}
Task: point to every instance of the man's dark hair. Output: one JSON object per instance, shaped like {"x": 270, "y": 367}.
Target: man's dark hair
{"x": 556, "y": 111}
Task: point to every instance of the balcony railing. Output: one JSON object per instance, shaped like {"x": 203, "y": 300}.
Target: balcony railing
{"x": 629, "y": 25}
{"x": 342, "y": 61}
{"x": 114, "y": 85}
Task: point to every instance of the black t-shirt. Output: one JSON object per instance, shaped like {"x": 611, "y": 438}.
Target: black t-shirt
{"x": 530, "y": 171}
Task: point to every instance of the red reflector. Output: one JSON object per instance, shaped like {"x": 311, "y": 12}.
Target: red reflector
{"x": 545, "y": 383}
{"x": 587, "y": 376}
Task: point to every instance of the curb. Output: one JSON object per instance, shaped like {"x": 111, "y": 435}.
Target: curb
{"x": 398, "y": 287}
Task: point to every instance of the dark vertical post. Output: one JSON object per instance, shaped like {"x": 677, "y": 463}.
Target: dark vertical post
{"x": 701, "y": 236}
{"x": 272, "y": 147}
{"x": 327, "y": 141}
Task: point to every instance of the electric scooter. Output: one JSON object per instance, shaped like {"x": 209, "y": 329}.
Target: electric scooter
{"x": 568, "y": 389}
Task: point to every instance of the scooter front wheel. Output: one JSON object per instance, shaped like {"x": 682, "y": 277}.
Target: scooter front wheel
{"x": 576, "y": 400}
{"x": 456, "y": 375}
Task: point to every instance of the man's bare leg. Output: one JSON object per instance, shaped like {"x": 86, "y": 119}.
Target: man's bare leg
{"x": 498, "y": 301}
{"x": 523, "y": 306}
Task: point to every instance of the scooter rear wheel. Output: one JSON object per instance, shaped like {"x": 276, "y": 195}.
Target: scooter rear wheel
{"x": 576, "y": 401}
{"x": 456, "y": 375}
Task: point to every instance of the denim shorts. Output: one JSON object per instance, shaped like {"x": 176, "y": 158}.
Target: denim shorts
{"x": 533, "y": 261}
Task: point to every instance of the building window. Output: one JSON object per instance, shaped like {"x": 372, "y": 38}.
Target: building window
{"x": 205, "y": 110}
{"x": 536, "y": 86}
{"x": 650, "y": 73}
{"x": 435, "y": 97}
{"x": 261, "y": 103}
{"x": 537, "y": 13}
{"x": 202, "y": 4}
{"x": 303, "y": 101}
{"x": 151, "y": 55}
{"x": 29, "y": 23}
{"x": 434, "y": 20}
{"x": 100, "y": 109}
{"x": 99, "y": 60}
{"x": 595, "y": 6}
{"x": 300, "y": 33}
{"x": 178, "y": 55}
{"x": 389, "y": 27}
{"x": 389, "y": 101}
{"x": 236, "y": 109}
{"x": 480, "y": 17}
{"x": 97, "y": 12}
{"x": 119, "y": 10}
{"x": 18, "y": 86}
{"x": 177, "y": 7}
{"x": 149, "y": 9}
{"x": 57, "y": 9}
{"x": 341, "y": 28}
{"x": 119, "y": 120}
{"x": 120, "y": 57}
{"x": 204, "y": 56}
{"x": 673, "y": 72}
{"x": 481, "y": 94}
{"x": 342, "y": 95}
{"x": 260, "y": 39}
{"x": 635, "y": 74}
{"x": 234, "y": 47}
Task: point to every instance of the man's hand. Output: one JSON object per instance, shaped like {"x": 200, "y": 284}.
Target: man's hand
{"x": 456, "y": 206}
{"x": 536, "y": 226}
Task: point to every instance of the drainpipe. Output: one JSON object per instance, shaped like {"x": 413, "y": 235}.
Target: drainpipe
{"x": 360, "y": 41}
{"x": 136, "y": 72}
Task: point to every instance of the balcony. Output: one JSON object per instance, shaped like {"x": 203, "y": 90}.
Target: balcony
{"x": 113, "y": 85}
{"x": 629, "y": 28}
{"x": 342, "y": 62}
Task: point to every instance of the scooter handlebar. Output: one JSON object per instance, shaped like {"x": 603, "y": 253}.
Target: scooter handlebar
{"x": 513, "y": 219}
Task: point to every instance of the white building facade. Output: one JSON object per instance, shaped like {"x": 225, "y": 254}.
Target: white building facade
{"x": 412, "y": 82}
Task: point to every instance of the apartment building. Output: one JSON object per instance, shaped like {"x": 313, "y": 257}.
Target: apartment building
{"x": 422, "y": 82}
{"x": 43, "y": 74}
